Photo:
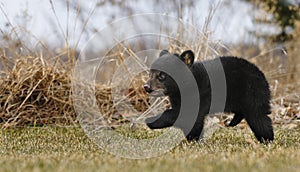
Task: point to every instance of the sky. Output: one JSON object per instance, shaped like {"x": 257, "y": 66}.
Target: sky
{"x": 35, "y": 18}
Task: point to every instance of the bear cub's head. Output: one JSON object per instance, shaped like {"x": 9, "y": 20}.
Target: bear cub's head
{"x": 160, "y": 83}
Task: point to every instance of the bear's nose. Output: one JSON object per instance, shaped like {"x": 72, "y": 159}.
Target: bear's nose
{"x": 147, "y": 88}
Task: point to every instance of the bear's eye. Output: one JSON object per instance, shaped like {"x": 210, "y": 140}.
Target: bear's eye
{"x": 161, "y": 76}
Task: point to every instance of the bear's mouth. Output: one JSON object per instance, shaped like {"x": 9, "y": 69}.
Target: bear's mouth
{"x": 157, "y": 93}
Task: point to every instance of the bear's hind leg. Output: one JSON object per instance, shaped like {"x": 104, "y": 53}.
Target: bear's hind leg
{"x": 261, "y": 125}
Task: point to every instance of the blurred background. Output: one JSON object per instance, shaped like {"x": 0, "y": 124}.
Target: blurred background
{"x": 71, "y": 23}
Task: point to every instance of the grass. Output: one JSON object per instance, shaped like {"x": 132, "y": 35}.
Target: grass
{"x": 69, "y": 149}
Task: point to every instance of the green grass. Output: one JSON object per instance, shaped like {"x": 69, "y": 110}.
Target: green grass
{"x": 69, "y": 149}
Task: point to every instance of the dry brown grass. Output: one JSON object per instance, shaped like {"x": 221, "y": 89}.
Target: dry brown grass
{"x": 36, "y": 92}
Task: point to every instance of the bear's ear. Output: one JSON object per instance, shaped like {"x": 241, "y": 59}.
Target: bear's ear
{"x": 187, "y": 57}
{"x": 163, "y": 52}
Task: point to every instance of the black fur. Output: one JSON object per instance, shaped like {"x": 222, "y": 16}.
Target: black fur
{"x": 248, "y": 96}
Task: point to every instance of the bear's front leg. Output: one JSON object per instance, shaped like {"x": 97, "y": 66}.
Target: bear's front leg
{"x": 166, "y": 119}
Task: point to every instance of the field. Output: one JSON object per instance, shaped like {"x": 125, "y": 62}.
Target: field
{"x": 69, "y": 149}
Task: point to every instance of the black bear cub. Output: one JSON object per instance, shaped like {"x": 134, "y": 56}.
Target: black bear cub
{"x": 247, "y": 94}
